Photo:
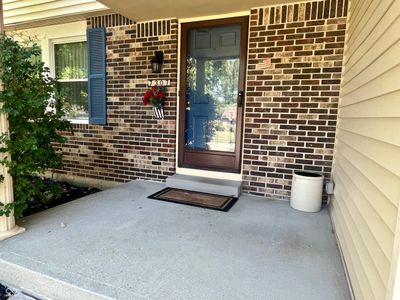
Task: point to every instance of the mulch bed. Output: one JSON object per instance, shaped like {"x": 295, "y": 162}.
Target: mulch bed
{"x": 57, "y": 193}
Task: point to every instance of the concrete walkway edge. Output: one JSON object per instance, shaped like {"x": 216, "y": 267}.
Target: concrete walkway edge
{"x": 31, "y": 283}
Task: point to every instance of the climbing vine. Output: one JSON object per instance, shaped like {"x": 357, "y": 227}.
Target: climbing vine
{"x": 34, "y": 108}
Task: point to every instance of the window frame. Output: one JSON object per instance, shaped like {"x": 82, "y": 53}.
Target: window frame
{"x": 66, "y": 40}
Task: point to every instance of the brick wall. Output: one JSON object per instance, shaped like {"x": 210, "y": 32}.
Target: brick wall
{"x": 291, "y": 107}
{"x": 133, "y": 144}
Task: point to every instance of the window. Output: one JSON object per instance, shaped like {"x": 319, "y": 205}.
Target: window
{"x": 70, "y": 67}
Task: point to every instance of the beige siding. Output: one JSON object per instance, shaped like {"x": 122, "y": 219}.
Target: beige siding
{"x": 367, "y": 152}
{"x": 27, "y": 11}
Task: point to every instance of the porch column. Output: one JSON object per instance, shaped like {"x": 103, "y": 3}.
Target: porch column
{"x": 7, "y": 224}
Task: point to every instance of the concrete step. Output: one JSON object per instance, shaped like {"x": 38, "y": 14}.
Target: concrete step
{"x": 205, "y": 185}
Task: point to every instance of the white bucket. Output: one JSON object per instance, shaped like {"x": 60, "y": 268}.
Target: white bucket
{"x": 306, "y": 192}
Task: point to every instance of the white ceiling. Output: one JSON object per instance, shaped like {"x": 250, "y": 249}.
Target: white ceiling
{"x": 142, "y": 10}
{"x": 20, "y": 14}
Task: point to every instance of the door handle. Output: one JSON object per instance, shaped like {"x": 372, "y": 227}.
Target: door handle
{"x": 240, "y": 99}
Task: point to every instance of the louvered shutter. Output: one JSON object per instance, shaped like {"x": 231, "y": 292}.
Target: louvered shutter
{"x": 96, "y": 45}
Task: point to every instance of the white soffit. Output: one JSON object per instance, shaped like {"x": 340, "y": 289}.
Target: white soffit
{"x": 142, "y": 10}
{"x": 26, "y": 13}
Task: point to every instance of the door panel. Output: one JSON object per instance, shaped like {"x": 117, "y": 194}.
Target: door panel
{"x": 212, "y": 77}
{"x": 197, "y": 132}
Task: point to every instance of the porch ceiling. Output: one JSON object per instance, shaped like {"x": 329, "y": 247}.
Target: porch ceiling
{"x": 142, "y": 10}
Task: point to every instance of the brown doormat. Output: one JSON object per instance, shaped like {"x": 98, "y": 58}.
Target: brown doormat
{"x": 205, "y": 200}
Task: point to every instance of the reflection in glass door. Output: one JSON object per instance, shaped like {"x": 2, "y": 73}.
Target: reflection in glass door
{"x": 212, "y": 88}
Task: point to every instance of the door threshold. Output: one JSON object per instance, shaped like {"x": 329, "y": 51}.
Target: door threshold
{"x": 209, "y": 174}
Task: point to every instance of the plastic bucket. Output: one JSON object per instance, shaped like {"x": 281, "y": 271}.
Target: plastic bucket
{"x": 306, "y": 194}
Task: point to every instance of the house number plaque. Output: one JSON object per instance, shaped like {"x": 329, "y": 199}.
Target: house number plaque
{"x": 159, "y": 82}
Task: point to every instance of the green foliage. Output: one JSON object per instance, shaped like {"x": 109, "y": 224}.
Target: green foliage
{"x": 32, "y": 103}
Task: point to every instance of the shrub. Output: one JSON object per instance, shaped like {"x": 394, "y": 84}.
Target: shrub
{"x": 32, "y": 103}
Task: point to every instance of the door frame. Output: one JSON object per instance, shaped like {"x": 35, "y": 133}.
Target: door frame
{"x": 236, "y": 156}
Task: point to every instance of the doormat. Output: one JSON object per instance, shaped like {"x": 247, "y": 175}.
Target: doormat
{"x": 205, "y": 200}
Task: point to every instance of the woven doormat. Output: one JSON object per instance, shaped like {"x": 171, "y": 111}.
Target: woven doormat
{"x": 205, "y": 200}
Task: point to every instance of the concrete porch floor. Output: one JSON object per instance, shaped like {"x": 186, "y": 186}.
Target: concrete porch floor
{"x": 118, "y": 244}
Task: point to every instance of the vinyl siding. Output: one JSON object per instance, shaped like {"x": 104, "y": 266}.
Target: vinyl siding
{"x": 25, "y": 11}
{"x": 367, "y": 152}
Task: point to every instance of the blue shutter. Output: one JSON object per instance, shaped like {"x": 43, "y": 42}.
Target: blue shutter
{"x": 96, "y": 45}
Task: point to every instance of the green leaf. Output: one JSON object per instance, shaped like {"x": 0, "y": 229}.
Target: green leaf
{"x": 34, "y": 130}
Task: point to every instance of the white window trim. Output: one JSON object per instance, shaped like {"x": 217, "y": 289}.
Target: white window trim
{"x": 52, "y": 43}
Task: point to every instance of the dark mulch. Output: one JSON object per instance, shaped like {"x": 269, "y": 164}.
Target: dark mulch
{"x": 5, "y": 293}
{"x": 57, "y": 193}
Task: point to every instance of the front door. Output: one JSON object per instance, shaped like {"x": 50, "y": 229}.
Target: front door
{"x": 213, "y": 63}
